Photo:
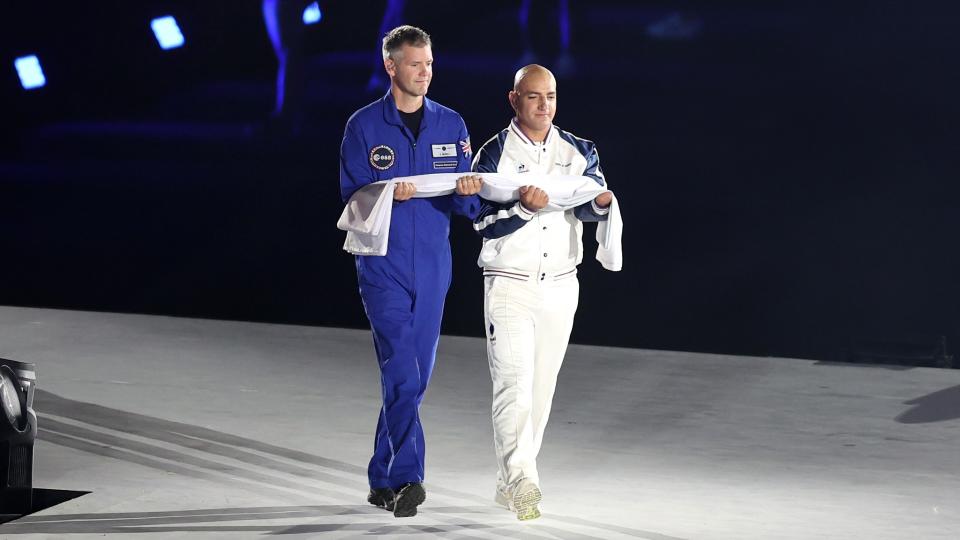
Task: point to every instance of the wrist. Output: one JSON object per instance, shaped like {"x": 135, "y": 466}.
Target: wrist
{"x": 525, "y": 212}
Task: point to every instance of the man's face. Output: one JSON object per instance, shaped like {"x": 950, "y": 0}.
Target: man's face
{"x": 411, "y": 69}
{"x": 535, "y": 101}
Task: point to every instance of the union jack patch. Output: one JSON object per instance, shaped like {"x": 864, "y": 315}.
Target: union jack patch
{"x": 465, "y": 146}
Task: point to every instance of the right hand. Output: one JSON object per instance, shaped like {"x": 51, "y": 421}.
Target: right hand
{"x": 404, "y": 191}
{"x": 533, "y": 198}
{"x": 469, "y": 185}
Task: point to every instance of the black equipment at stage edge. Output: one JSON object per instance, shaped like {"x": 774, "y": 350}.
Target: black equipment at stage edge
{"x": 18, "y": 432}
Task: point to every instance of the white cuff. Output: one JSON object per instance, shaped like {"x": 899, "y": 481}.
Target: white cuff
{"x": 524, "y": 214}
{"x": 598, "y": 210}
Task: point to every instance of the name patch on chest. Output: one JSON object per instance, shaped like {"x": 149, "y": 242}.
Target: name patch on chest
{"x": 444, "y": 150}
{"x": 445, "y": 164}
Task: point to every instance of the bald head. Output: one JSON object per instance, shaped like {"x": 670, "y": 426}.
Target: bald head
{"x": 534, "y": 99}
{"x": 532, "y": 72}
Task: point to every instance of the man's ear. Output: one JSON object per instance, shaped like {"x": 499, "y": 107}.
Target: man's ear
{"x": 390, "y": 66}
{"x": 512, "y": 97}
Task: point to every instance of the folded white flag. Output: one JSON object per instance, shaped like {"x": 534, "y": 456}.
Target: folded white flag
{"x": 366, "y": 217}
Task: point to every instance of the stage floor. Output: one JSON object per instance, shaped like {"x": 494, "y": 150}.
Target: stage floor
{"x": 218, "y": 429}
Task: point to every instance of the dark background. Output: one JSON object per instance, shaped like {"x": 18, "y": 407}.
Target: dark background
{"x": 788, "y": 175}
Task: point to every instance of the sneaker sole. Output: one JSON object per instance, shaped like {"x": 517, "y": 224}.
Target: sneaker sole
{"x": 407, "y": 501}
{"x": 526, "y": 504}
{"x": 380, "y": 502}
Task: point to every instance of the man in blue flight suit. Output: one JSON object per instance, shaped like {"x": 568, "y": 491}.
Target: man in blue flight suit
{"x": 406, "y": 134}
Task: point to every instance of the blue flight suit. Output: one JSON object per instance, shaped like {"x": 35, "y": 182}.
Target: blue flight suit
{"x": 403, "y": 292}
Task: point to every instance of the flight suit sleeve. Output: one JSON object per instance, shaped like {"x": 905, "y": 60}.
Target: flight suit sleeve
{"x": 354, "y": 167}
{"x": 469, "y": 205}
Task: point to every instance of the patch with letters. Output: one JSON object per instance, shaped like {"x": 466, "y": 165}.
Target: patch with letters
{"x": 382, "y": 157}
{"x": 444, "y": 150}
{"x": 445, "y": 164}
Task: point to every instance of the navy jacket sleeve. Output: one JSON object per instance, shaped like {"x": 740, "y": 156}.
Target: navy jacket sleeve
{"x": 588, "y": 211}
{"x": 484, "y": 162}
{"x": 496, "y": 220}
{"x": 354, "y": 170}
{"x": 465, "y": 205}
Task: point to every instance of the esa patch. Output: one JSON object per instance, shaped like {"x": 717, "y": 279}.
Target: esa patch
{"x": 382, "y": 157}
{"x": 444, "y": 150}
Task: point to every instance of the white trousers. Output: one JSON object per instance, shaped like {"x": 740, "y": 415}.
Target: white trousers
{"x": 528, "y": 326}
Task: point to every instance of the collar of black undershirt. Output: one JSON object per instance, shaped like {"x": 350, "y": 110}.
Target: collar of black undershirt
{"x": 412, "y": 120}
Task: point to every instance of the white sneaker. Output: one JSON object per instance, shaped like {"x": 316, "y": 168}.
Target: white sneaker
{"x": 504, "y": 500}
{"x": 525, "y": 498}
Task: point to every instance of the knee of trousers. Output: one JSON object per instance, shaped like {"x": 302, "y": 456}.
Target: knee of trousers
{"x": 507, "y": 393}
{"x": 400, "y": 385}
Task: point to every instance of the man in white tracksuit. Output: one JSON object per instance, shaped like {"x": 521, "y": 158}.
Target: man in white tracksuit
{"x": 529, "y": 260}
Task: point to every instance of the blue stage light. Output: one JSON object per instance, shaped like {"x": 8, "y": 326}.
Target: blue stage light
{"x": 30, "y": 72}
{"x": 167, "y": 32}
{"x": 312, "y": 14}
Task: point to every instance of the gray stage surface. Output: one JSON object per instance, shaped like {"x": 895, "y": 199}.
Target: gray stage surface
{"x": 216, "y": 429}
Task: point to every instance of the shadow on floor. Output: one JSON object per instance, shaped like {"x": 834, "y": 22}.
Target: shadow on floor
{"x": 891, "y": 367}
{"x": 361, "y": 519}
{"x": 43, "y": 499}
{"x": 939, "y": 406}
{"x": 200, "y": 453}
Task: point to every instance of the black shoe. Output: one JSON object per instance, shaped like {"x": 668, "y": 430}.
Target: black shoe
{"x": 381, "y": 497}
{"x": 408, "y": 498}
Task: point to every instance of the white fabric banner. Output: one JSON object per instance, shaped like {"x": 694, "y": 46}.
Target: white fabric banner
{"x": 366, "y": 217}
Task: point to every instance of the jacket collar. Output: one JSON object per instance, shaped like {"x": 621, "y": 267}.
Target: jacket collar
{"x": 515, "y": 128}
{"x": 392, "y": 115}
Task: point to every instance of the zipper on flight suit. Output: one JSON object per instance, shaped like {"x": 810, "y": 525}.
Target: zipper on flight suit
{"x": 413, "y": 171}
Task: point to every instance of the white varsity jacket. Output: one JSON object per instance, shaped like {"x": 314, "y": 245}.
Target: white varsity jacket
{"x": 544, "y": 243}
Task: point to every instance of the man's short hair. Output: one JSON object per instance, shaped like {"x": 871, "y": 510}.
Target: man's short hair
{"x": 404, "y": 35}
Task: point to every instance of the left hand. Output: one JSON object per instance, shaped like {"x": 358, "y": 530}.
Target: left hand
{"x": 469, "y": 185}
{"x": 604, "y": 199}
